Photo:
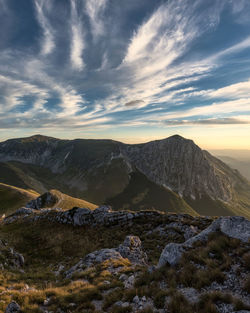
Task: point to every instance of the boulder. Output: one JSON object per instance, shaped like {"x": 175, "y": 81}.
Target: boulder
{"x": 131, "y": 249}
{"x": 93, "y": 258}
{"x": 171, "y": 254}
{"x": 13, "y": 307}
{"x": 235, "y": 227}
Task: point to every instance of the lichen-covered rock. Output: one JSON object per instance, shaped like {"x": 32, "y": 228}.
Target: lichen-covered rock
{"x": 13, "y": 307}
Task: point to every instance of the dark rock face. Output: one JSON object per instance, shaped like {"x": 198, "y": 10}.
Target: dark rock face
{"x": 181, "y": 166}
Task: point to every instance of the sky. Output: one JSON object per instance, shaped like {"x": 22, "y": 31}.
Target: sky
{"x": 127, "y": 70}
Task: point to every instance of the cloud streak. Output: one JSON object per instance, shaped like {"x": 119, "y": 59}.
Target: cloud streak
{"x": 77, "y": 42}
{"x": 48, "y": 43}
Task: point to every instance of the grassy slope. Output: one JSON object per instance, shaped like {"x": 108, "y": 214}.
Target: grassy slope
{"x": 66, "y": 202}
{"x": 141, "y": 193}
{"x": 12, "y": 198}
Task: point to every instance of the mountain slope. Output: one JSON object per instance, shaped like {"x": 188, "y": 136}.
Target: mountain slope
{"x": 243, "y": 166}
{"x": 12, "y": 198}
{"x": 104, "y": 171}
{"x": 141, "y": 193}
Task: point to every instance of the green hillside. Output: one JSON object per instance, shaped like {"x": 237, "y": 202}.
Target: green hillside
{"x": 141, "y": 194}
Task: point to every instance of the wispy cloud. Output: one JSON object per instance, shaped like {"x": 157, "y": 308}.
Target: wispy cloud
{"x": 210, "y": 121}
{"x": 77, "y": 40}
{"x": 48, "y": 43}
{"x": 95, "y": 10}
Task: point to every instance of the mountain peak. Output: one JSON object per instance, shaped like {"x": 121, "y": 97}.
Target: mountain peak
{"x": 176, "y": 136}
{"x": 37, "y": 137}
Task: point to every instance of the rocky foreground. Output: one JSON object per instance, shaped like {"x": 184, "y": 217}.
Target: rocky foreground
{"x": 84, "y": 260}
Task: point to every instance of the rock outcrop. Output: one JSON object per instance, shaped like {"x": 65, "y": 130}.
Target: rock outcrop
{"x": 130, "y": 249}
{"x": 235, "y": 227}
{"x": 101, "y": 216}
{"x": 46, "y": 200}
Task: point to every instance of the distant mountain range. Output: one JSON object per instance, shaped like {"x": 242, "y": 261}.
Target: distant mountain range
{"x": 172, "y": 174}
{"x": 238, "y": 159}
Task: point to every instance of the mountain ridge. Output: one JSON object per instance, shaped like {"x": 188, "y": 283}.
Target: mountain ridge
{"x": 100, "y": 169}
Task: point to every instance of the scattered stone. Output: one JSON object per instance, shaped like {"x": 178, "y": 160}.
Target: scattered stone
{"x": 136, "y": 299}
{"x": 129, "y": 283}
{"x": 13, "y": 307}
{"x": 190, "y": 294}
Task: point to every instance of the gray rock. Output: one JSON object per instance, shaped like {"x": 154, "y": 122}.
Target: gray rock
{"x": 234, "y": 226}
{"x": 78, "y": 215}
{"x": 191, "y": 294}
{"x": 136, "y": 299}
{"x": 24, "y": 211}
{"x": 93, "y": 258}
{"x": 129, "y": 283}
{"x": 13, "y": 307}
{"x": 171, "y": 254}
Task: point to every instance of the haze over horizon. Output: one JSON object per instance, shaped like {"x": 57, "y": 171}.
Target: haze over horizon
{"x": 132, "y": 71}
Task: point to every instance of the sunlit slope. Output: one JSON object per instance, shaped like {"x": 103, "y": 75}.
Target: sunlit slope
{"x": 57, "y": 199}
{"x": 12, "y": 198}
